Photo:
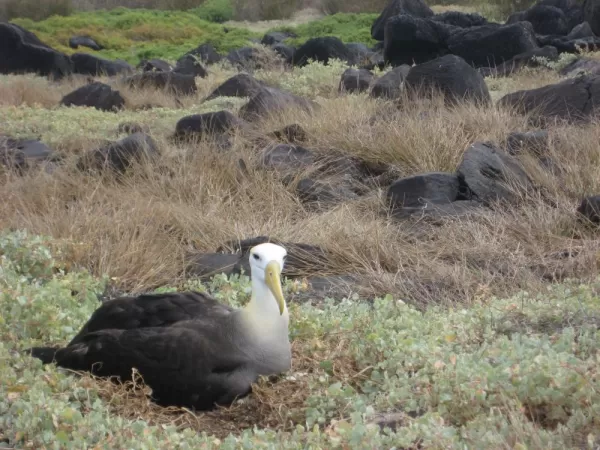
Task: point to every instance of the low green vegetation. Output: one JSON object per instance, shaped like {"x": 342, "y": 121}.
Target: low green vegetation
{"x": 62, "y": 125}
{"x": 133, "y": 35}
{"x": 506, "y": 373}
{"x": 210, "y": 10}
{"x": 348, "y": 27}
{"x": 217, "y": 11}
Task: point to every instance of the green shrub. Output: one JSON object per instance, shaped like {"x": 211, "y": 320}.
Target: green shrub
{"x": 136, "y": 34}
{"x": 34, "y": 9}
{"x": 347, "y": 27}
{"x": 217, "y": 11}
{"x": 313, "y": 80}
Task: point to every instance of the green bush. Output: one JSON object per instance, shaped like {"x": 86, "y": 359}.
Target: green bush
{"x": 505, "y": 373}
{"x": 136, "y": 34}
{"x": 133, "y": 35}
{"x": 217, "y": 11}
{"x": 347, "y": 27}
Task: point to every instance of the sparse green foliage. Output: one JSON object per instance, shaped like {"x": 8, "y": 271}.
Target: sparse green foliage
{"x": 217, "y": 11}
{"x": 312, "y": 80}
{"x": 348, "y": 27}
{"x": 56, "y": 126}
{"x": 514, "y": 371}
{"x": 564, "y": 59}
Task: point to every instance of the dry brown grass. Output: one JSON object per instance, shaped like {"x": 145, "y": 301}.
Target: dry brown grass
{"x": 139, "y": 229}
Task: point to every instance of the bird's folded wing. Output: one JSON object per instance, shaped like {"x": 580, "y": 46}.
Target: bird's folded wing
{"x": 151, "y": 310}
{"x": 180, "y": 365}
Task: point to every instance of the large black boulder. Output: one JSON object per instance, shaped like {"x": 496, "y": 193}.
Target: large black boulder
{"x": 286, "y": 52}
{"x": 545, "y": 19}
{"x": 322, "y": 49}
{"x": 206, "y": 124}
{"x": 189, "y": 65}
{"x": 355, "y": 80}
{"x": 460, "y": 19}
{"x": 269, "y": 101}
{"x": 21, "y": 154}
{"x": 573, "y": 100}
{"x": 95, "y": 95}
{"x": 490, "y": 45}
{"x": 591, "y": 14}
{"x": 409, "y": 40}
{"x": 173, "y": 82}
{"x": 206, "y": 53}
{"x": 86, "y": 64}
{"x": 581, "y": 31}
{"x": 418, "y": 190}
{"x": 22, "y": 52}
{"x": 415, "y": 8}
{"x": 240, "y": 85}
{"x": 492, "y": 174}
{"x": 245, "y": 58}
{"x": 119, "y": 156}
{"x": 286, "y": 158}
{"x": 451, "y": 76}
{"x": 389, "y": 86}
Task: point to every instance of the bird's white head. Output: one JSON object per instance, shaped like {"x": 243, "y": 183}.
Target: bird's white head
{"x": 266, "y": 264}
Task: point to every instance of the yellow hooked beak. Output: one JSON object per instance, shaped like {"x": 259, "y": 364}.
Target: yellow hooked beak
{"x": 273, "y": 280}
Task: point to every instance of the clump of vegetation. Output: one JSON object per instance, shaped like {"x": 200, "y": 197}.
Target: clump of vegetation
{"x": 133, "y": 35}
{"x": 137, "y": 34}
{"x": 505, "y": 373}
{"x": 217, "y": 11}
{"x": 210, "y": 10}
{"x": 348, "y": 27}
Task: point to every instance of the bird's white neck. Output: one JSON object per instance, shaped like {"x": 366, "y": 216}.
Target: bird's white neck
{"x": 266, "y": 335}
{"x": 262, "y": 309}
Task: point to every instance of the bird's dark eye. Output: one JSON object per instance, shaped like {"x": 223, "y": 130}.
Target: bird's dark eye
{"x": 256, "y": 257}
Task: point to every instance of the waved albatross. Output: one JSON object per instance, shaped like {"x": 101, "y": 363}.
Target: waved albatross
{"x": 190, "y": 349}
